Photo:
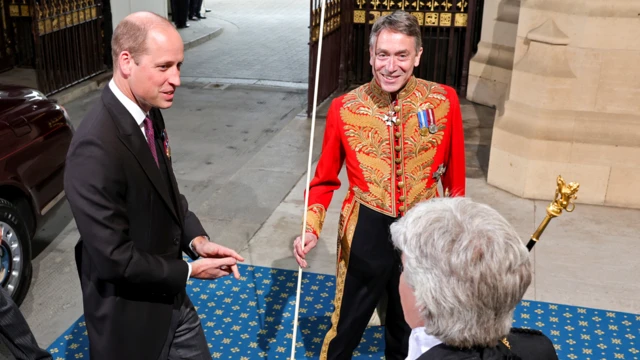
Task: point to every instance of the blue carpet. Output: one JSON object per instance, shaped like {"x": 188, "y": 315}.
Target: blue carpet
{"x": 252, "y": 319}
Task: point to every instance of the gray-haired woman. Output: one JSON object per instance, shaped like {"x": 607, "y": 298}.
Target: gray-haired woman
{"x": 464, "y": 271}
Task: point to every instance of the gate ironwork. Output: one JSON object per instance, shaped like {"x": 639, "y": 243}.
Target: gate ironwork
{"x": 68, "y": 42}
{"x": 21, "y": 23}
{"x": 332, "y": 49}
{"x": 16, "y": 25}
{"x": 6, "y": 57}
{"x": 449, "y": 34}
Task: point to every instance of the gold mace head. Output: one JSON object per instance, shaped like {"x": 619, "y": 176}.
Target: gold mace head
{"x": 565, "y": 197}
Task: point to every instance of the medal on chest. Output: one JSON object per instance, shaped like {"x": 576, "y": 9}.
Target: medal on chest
{"x": 391, "y": 118}
{"x": 427, "y": 122}
{"x": 165, "y": 143}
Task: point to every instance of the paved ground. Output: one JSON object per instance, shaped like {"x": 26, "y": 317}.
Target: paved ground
{"x": 261, "y": 40}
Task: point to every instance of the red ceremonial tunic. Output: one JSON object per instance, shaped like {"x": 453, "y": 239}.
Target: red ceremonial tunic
{"x": 391, "y": 167}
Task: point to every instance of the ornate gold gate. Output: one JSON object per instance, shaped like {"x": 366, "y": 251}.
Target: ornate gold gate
{"x": 17, "y": 36}
{"x": 68, "y": 42}
{"x": 450, "y": 30}
{"x": 332, "y": 50}
{"x": 450, "y": 33}
{"x": 6, "y": 53}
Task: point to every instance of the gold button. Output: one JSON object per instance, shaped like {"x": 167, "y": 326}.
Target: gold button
{"x": 401, "y": 198}
{"x": 396, "y": 108}
{"x": 400, "y": 184}
{"x": 402, "y": 208}
{"x": 399, "y": 172}
{"x": 398, "y": 147}
{"x": 398, "y": 134}
{"x": 398, "y": 160}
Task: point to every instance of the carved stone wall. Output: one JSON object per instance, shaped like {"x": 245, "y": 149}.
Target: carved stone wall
{"x": 490, "y": 68}
{"x": 573, "y": 107}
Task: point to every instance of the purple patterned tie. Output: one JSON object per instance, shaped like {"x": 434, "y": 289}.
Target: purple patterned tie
{"x": 148, "y": 130}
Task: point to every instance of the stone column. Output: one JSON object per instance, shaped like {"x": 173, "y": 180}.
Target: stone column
{"x": 574, "y": 103}
{"x": 490, "y": 68}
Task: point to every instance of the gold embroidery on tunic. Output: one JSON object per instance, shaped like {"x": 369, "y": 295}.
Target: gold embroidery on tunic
{"x": 344, "y": 214}
{"x": 369, "y": 137}
{"x": 350, "y": 229}
{"x": 372, "y": 140}
{"x": 418, "y": 172}
{"x": 315, "y": 218}
{"x": 420, "y": 151}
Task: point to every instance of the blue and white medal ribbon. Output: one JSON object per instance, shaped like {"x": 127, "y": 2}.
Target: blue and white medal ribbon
{"x": 427, "y": 122}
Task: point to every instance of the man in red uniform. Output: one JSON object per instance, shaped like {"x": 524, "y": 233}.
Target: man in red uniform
{"x": 399, "y": 136}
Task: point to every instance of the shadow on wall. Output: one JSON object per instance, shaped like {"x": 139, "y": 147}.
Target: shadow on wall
{"x": 497, "y": 60}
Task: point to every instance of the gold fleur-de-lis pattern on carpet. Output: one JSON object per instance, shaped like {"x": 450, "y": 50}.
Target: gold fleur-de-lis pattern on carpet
{"x": 252, "y": 318}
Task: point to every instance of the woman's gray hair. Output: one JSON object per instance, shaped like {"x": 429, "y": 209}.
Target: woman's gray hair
{"x": 467, "y": 266}
{"x": 398, "y": 21}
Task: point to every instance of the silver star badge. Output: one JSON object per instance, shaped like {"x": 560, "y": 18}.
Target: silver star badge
{"x": 390, "y": 120}
{"x": 439, "y": 172}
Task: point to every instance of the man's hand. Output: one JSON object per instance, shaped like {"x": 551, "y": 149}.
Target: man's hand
{"x": 309, "y": 243}
{"x": 209, "y": 249}
{"x": 207, "y": 268}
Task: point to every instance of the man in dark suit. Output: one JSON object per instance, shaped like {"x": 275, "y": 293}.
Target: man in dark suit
{"x": 179, "y": 12}
{"x": 14, "y": 329}
{"x": 134, "y": 224}
{"x": 194, "y": 10}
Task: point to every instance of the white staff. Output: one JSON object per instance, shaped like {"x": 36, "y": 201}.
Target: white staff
{"x": 306, "y": 196}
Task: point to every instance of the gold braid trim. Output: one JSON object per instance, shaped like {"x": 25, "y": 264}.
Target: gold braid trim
{"x": 337, "y": 302}
{"x": 315, "y": 218}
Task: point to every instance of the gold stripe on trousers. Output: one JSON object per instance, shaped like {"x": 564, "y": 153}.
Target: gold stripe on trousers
{"x": 348, "y": 221}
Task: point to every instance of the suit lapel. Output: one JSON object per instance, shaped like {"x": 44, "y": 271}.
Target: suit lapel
{"x": 134, "y": 141}
{"x": 159, "y": 128}
{"x": 174, "y": 185}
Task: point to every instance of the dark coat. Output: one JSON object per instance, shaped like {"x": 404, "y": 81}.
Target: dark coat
{"x": 524, "y": 345}
{"x": 134, "y": 225}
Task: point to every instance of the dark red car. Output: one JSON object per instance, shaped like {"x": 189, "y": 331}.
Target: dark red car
{"x": 35, "y": 134}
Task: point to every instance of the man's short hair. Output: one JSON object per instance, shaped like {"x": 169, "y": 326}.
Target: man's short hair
{"x": 131, "y": 35}
{"x": 468, "y": 269}
{"x": 399, "y": 21}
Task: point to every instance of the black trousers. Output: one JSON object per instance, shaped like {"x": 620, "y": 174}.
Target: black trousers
{"x": 15, "y": 332}
{"x": 373, "y": 266}
{"x": 194, "y": 7}
{"x": 179, "y": 10}
{"x": 186, "y": 338}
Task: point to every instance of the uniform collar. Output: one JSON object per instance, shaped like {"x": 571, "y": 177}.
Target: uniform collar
{"x": 385, "y": 97}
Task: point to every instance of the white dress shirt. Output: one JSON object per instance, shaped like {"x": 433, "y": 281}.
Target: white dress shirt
{"x": 420, "y": 342}
{"x": 133, "y": 108}
{"x": 138, "y": 116}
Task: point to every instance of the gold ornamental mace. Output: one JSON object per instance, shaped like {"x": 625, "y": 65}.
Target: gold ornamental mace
{"x": 565, "y": 195}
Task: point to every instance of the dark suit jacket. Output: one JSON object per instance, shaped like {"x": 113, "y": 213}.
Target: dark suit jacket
{"x": 15, "y": 332}
{"x": 134, "y": 225}
{"x": 525, "y": 344}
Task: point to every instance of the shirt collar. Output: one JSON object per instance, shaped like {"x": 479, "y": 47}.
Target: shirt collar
{"x": 420, "y": 342}
{"x": 133, "y": 108}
